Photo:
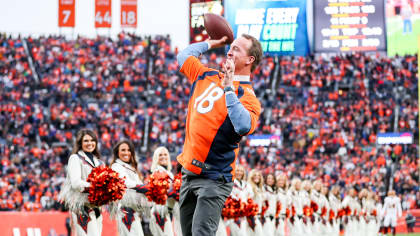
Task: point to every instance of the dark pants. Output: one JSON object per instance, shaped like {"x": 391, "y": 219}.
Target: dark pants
{"x": 201, "y": 201}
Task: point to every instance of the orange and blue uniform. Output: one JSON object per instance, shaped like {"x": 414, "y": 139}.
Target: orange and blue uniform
{"x": 211, "y": 142}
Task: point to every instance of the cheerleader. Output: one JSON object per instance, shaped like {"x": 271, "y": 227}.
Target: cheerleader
{"x": 325, "y": 212}
{"x": 335, "y": 204}
{"x": 160, "y": 222}
{"x": 240, "y": 191}
{"x": 391, "y": 211}
{"x": 357, "y": 212}
{"x": 350, "y": 224}
{"x": 379, "y": 216}
{"x": 316, "y": 198}
{"x": 296, "y": 208}
{"x": 369, "y": 207}
{"x": 176, "y": 212}
{"x": 268, "y": 221}
{"x": 255, "y": 188}
{"x": 281, "y": 185}
{"x": 132, "y": 204}
{"x": 362, "y": 224}
{"x": 86, "y": 219}
{"x": 305, "y": 193}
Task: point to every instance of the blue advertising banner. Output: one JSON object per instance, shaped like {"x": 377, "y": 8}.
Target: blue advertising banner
{"x": 395, "y": 138}
{"x": 280, "y": 25}
{"x": 264, "y": 140}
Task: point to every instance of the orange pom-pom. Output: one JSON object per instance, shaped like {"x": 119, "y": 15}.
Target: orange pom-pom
{"x": 158, "y": 183}
{"x": 323, "y": 211}
{"x": 106, "y": 186}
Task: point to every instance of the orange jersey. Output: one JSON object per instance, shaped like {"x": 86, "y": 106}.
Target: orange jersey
{"x": 211, "y": 143}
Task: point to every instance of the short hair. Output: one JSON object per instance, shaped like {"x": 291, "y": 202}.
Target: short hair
{"x": 255, "y": 50}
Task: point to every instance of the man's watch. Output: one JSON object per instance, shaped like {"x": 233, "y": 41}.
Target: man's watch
{"x": 228, "y": 89}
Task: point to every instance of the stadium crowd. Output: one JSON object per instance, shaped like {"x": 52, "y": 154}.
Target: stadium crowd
{"x": 327, "y": 113}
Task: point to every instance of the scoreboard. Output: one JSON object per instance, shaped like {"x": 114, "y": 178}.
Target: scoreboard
{"x": 349, "y": 25}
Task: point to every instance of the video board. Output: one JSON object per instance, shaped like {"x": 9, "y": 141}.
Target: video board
{"x": 349, "y": 25}
{"x": 280, "y": 26}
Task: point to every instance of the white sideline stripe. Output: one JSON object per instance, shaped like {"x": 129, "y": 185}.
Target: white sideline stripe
{"x": 30, "y": 232}
{"x": 16, "y": 232}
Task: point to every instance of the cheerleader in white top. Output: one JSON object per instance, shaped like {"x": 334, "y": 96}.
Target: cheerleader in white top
{"x": 255, "y": 186}
{"x": 239, "y": 191}
{"x": 268, "y": 219}
{"x": 335, "y": 204}
{"x": 127, "y": 211}
{"x": 369, "y": 207}
{"x": 391, "y": 211}
{"x": 296, "y": 208}
{"x": 362, "y": 224}
{"x": 379, "y": 216}
{"x": 357, "y": 212}
{"x": 160, "y": 222}
{"x": 325, "y": 212}
{"x": 282, "y": 186}
{"x": 86, "y": 219}
{"x": 305, "y": 193}
{"x": 316, "y": 198}
{"x": 350, "y": 222}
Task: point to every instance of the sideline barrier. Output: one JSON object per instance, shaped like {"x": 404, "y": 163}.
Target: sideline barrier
{"x": 15, "y": 223}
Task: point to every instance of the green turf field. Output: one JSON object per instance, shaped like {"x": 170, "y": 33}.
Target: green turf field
{"x": 415, "y": 234}
{"x": 402, "y": 43}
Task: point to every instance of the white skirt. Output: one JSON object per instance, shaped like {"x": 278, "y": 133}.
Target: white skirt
{"x": 221, "y": 230}
{"x": 269, "y": 227}
{"x": 256, "y": 231}
{"x": 133, "y": 228}
{"x": 160, "y": 222}
{"x": 177, "y": 220}
{"x": 88, "y": 227}
{"x": 237, "y": 228}
{"x": 281, "y": 227}
{"x": 297, "y": 228}
{"x": 372, "y": 227}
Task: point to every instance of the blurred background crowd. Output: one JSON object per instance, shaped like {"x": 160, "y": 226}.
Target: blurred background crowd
{"x": 326, "y": 111}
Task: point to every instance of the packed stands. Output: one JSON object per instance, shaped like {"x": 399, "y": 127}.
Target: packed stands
{"x": 327, "y": 112}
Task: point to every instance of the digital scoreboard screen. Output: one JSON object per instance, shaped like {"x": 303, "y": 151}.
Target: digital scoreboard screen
{"x": 349, "y": 25}
{"x": 280, "y": 25}
{"x": 197, "y": 10}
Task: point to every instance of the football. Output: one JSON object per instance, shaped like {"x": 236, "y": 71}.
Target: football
{"x": 217, "y": 27}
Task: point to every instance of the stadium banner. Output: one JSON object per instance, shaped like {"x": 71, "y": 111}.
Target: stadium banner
{"x": 403, "y": 27}
{"x": 395, "y": 138}
{"x": 103, "y": 12}
{"x": 280, "y": 26}
{"x": 66, "y": 13}
{"x": 197, "y": 10}
{"x": 129, "y": 13}
{"x": 16, "y": 223}
{"x": 264, "y": 140}
{"x": 348, "y": 26}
